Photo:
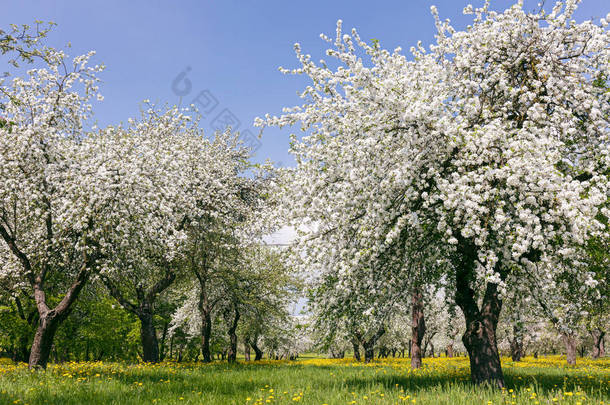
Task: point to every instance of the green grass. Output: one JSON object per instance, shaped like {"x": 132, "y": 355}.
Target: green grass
{"x": 307, "y": 381}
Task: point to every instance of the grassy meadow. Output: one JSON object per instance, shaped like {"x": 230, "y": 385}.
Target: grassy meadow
{"x": 547, "y": 380}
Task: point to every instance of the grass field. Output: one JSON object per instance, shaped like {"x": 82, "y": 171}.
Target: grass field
{"x": 306, "y": 381}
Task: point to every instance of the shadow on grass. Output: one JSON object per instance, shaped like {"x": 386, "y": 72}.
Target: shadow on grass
{"x": 542, "y": 384}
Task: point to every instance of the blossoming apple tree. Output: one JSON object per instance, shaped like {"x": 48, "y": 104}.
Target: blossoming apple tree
{"x": 171, "y": 176}
{"x": 491, "y": 147}
{"x": 55, "y": 193}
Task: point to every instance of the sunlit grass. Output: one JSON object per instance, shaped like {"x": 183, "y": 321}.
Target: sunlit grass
{"x": 309, "y": 381}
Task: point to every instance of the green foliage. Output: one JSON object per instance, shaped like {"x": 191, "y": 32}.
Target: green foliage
{"x": 96, "y": 329}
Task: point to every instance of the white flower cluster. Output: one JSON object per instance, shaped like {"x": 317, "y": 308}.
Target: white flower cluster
{"x": 122, "y": 197}
{"x": 497, "y": 139}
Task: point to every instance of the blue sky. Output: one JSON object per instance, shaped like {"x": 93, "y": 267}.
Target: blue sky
{"x": 233, "y": 48}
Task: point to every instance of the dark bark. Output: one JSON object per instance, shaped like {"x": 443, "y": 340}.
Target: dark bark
{"x": 43, "y": 342}
{"x": 515, "y": 351}
{"x": 369, "y": 345}
{"x": 418, "y": 327}
{"x": 516, "y": 344}
{"x": 356, "y": 347}
{"x": 570, "y": 343}
{"x": 50, "y": 319}
{"x": 258, "y": 353}
{"x": 143, "y": 308}
{"x": 206, "y": 335}
{"x": 450, "y": 350}
{"x": 206, "y": 306}
{"x": 480, "y": 336}
{"x": 598, "y": 343}
{"x": 232, "y": 351}
{"x": 246, "y": 350}
{"x": 148, "y": 337}
{"x": 369, "y": 353}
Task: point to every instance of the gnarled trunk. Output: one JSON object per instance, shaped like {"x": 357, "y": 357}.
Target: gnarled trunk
{"x": 598, "y": 343}
{"x": 480, "y": 336}
{"x": 232, "y": 352}
{"x": 246, "y": 350}
{"x": 356, "y": 347}
{"x": 43, "y": 341}
{"x": 50, "y": 319}
{"x": 369, "y": 345}
{"x": 570, "y": 342}
{"x": 258, "y": 353}
{"x": 148, "y": 336}
{"x": 516, "y": 348}
{"x": 480, "y": 340}
{"x": 143, "y": 308}
{"x": 418, "y": 328}
{"x": 206, "y": 335}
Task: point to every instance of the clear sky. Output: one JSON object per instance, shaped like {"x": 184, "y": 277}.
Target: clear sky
{"x": 232, "y": 48}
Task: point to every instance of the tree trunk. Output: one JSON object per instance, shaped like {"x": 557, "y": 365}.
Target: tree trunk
{"x": 570, "y": 343}
{"x": 148, "y": 336}
{"x": 369, "y": 345}
{"x": 206, "y": 334}
{"x": 246, "y": 350}
{"x": 356, "y": 347}
{"x": 450, "y": 350}
{"x": 480, "y": 336}
{"x": 258, "y": 353}
{"x": 43, "y": 341}
{"x": 598, "y": 343}
{"x": 480, "y": 340}
{"x": 143, "y": 308}
{"x": 50, "y": 319}
{"x": 516, "y": 349}
{"x": 232, "y": 352}
{"x": 418, "y": 328}
{"x": 369, "y": 353}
